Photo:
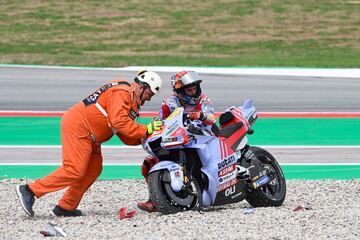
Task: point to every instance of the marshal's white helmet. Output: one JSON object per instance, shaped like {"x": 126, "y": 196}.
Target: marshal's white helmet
{"x": 152, "y": 79}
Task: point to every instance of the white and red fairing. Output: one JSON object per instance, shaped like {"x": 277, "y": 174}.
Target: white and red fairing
{"x": 216, "y": 154}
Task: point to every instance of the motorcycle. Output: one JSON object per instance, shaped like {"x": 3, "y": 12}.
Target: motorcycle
{"x": 202, "y": 166}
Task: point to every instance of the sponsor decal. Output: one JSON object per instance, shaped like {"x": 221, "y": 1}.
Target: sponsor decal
{"x": 169, "y": 139}
{"x": 133, "y": 115}
{"x": 172, "y": 127}
{"x": 174, "y": 113}
{"x": 230, "y": 191}
{"x": 228, "y": 177}
{"x": 261, "y": 181}
{"x": 236, "y": 195}
{"x": 92, "y": 98}
{"x": 226, "y": 170}
{"x": 228, "y": 184}
{"x": 227, "y": 161}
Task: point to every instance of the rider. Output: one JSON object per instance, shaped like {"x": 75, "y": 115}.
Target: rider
{"x": 186, "y": 94}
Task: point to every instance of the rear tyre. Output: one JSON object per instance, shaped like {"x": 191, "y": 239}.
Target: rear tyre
{"x": 166, "y": 200}
{"x": 273, "y": 193}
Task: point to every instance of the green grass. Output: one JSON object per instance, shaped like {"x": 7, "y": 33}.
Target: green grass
{"x": 199, "y": 33}
{"x": 310, "y": 172}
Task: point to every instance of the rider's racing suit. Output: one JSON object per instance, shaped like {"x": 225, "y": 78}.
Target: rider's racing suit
{"x": 169, "y": 104}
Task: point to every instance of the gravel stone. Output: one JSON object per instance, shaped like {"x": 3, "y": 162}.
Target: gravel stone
{"x": 333, "y": 213}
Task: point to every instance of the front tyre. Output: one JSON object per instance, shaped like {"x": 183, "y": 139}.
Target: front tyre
{"x": 166, "y": 200}
{"x": 273, "y": 193}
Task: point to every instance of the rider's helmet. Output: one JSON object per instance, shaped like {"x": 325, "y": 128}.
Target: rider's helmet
{"x": 184, "y": 79}
{"x": 149, "y": 79}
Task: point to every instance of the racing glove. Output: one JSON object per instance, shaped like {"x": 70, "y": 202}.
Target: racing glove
{"x": 154, "y": 125}
{"x": 197, "y": 115}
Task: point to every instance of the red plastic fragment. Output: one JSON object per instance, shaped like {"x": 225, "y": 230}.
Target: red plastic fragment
{"x": 123, "y": 214}
{"x": 130, "y": 214}
{"x": 301, "y": 208}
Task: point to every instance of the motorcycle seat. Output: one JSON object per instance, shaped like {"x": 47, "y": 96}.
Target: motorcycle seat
{"x": 226, "y": 117}
{"x": 229, "y": 130}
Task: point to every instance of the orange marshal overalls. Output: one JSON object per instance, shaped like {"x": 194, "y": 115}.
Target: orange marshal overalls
{"x": 83, "y": 128}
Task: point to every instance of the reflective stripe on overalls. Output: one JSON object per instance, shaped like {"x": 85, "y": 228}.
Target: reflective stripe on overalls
{"x": 92, "y": 99}
{"x": 102, "y": 110}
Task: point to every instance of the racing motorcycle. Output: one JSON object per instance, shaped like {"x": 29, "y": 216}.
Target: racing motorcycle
{"x": 202, "y": 166}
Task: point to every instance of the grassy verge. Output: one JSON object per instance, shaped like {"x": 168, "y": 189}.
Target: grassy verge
{"x": 268, "y": 131}
{"x": 111, "y": 172}
{"x": 203, "y": 33}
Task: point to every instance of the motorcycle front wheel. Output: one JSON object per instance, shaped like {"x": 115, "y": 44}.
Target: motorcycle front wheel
{"x": 273, "y": 193}
{"x": 168, "y": 201}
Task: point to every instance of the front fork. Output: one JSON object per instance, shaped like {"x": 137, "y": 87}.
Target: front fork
{"x": 259, "y": 175}
{"x": 187, "y": 187}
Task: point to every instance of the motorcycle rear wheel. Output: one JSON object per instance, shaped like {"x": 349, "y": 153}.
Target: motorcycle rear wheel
{"x": 273, "y": 193}
{"x": 166, "y": 200}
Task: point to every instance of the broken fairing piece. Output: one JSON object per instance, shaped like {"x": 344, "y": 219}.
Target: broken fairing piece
{"x": 301, "y": 208}
{"x": 248, "y": 210}
{"x": 51, "y": 230}
{"x": 123, "y": 214}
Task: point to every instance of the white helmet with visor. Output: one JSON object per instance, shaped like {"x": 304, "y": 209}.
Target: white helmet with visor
{"x": 184, "y": 79}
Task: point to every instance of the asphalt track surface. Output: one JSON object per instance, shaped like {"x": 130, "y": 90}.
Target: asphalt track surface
{"x": 284, "y": 155}
{"x": 47, "y": 89}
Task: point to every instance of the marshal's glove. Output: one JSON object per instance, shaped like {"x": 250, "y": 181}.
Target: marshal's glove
{"x": 154, "y": 125}
{"x": 197, "y": 115}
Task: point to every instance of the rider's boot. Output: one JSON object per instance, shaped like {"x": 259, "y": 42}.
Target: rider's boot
{"x": 147, "y": 206}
